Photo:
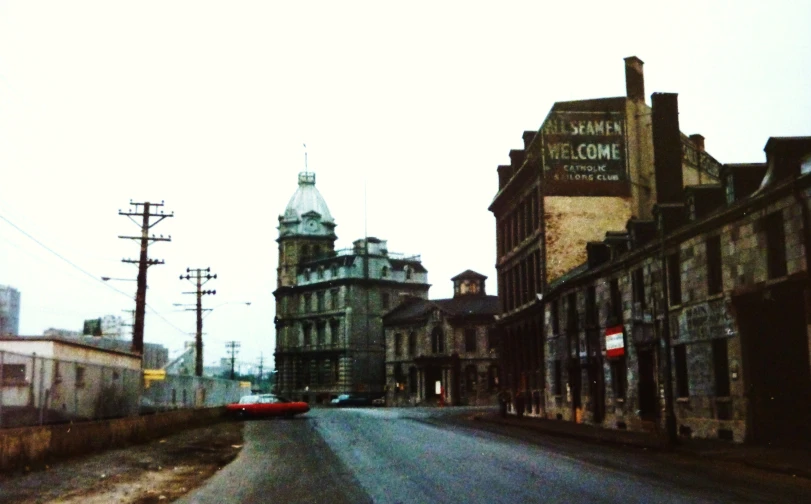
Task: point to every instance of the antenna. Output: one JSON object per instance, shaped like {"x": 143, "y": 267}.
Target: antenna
{"x": 305, "y": 158}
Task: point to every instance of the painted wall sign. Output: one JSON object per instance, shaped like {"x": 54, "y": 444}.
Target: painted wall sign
{"x": 706, "y": 320}
{"x": 614, "y": 342}
{"x": 584, "y": 154}
{"x": 699, "y": 160}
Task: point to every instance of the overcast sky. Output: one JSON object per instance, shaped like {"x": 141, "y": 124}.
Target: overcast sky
{"x": 205, "y": 105}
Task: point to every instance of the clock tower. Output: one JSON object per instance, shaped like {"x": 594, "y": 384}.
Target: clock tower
{"x": 306, "y": 230}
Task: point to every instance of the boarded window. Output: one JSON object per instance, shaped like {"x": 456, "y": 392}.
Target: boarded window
{"x": 775, "y": 245}
{"x": 682, "y": 381}
{"x": 714, "y": 272}
{"x": 13, "y": 374}
{"x": 470, "y": 339}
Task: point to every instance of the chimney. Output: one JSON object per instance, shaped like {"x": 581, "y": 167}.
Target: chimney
{"x": 528, "y": 136}
{"x": 667, "y": 153}
{"x": 517, "y": 158}
{"x": 698, "y": 141}
{"x": 634, "y": 79}
{"x": 505, "y": 173}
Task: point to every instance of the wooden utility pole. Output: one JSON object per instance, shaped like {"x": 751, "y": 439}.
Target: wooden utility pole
{"x": 145, "y": 212}
{"x": 199, "y": 277}
{"x": 233, "y": 349}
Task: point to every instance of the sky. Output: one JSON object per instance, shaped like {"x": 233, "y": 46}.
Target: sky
{"x": 406, "y": 110}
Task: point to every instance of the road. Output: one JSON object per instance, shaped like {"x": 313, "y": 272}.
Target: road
{"x": 432, "y": 456}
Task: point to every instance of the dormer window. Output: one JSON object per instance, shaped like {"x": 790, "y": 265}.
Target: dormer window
{"x": 384, "y": 273}
{"x": 407, "y": 270}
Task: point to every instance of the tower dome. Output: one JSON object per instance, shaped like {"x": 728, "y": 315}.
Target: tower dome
{"x": 307, "y": 212}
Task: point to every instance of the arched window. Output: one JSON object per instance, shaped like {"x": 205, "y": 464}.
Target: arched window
{"x": 437, "y": 340}
{"x": 334, "y": 271}
{"x": 407, "y": 270}
{"x": 384, "y": 272}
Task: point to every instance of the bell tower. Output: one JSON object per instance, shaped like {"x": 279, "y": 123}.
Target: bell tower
{"x": 306, "y": 230}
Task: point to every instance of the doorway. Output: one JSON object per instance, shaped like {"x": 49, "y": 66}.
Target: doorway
{"x": 648, "y": 399}
{"x": 775, "y": 355}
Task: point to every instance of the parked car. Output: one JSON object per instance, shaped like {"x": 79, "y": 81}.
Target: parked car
{"x": 380, "y": 401}
{"x": 266, "y": 405}
{"x": 350, "y": 400}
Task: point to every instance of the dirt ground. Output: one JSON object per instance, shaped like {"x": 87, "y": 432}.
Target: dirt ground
{"x": 159, "y": 471}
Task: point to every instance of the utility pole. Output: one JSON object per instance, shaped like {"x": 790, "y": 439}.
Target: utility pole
{"x": 145, "y": 212}
{"x": 199, "y": 277}
{"x": 261, "y": 362}
{"x": 233, "y": 349}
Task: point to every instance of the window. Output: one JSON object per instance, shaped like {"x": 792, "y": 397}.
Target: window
{"x": 471, "y": 380}
{"x": 437, "y": 340}
{"x": 682, "y": 383}
{"x": 334, "y": 271}
{"x": 616, "y": 301}
{"x": 13, "y": 374}
{"x": 571, "y": 313}
{"x": 319, "y": 296}
{"x": 333, "y": 297}
{"x": 308, "y": 329}
{"x": 307, "y": 303}
{"x": 492, "y": 377}
{"x": 320, "y": 272}
{"x": 674, "y": 278}
{"x": 412, "y": 344}
{"x": 638, "y": 283}
{"x": 714, "y": 272}
{"x": 775, "y": 245}
{"x": 80, "y": 372}
{"x": 334, "y": 327}
{"x": 336, "y": 371}
{"x": 618, "y": 377}
{"x": 555, "y": 314}
{"x": 557, "y": 378}
{"x": 398, "y": 344}
{"x": 492, "y": 341}
{"x": 412, "y": 380}
{"x": 307, "y": 274}
{"x": 321, "y": 330}
{"x": 384, "y": 272}
{"x": 470, "y": 339}
{"x": 407, "y": 269}
{"x": 720, "y": 362}
{"x": 386, "y": 300}
{"x": 591, "y": 307}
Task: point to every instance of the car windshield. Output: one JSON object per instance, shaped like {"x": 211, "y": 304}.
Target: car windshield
{"x": 248, "y": 399}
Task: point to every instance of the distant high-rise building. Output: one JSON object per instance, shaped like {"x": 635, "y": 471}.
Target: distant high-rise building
{"x": 9, "y": 310}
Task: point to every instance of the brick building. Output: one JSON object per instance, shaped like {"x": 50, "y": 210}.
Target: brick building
{"x": 689, "y": 319}
{"x": 329, "y": 302}
{"x": 443, "y": 351}
{"x": 588, "y": 169}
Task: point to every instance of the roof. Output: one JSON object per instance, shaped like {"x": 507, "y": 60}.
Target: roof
{"x": 83, "y": 343}
{"x": 307, "y": 199}
{"x": 469, "y": 274}
{"x": 413, "y": 309}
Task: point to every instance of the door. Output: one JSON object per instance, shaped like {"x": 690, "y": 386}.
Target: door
{"x": 648, "y": 398}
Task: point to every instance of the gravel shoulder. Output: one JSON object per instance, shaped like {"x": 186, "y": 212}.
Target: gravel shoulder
{"x": 159, "y": 471}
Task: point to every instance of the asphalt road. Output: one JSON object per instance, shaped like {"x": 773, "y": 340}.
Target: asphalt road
{"x": 420, "y": 455}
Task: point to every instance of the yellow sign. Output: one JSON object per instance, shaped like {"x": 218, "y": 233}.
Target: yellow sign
{"x": 245, "y": 384}
{"x": 151, "y": 375}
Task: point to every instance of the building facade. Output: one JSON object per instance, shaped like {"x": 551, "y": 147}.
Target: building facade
{"x": 684, "y": 311}
{"x": 444, "y": 351}
{"x": 9, "y": 311}
{"x": 329, "y": 303}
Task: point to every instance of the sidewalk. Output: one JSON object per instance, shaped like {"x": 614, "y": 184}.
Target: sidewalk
{"x": 794, "y": 461}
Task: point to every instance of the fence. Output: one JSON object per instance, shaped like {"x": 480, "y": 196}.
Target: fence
{"x": 38, "y": 390}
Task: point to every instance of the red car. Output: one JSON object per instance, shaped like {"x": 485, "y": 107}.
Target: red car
{"x": 264, "y": 405}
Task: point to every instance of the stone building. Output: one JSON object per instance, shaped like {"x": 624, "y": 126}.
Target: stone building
{"x": 329, "y": 303}
{"x": 444, "y": 351}
{"x": 588, "y": 169}
{"x": 700, "y": 316}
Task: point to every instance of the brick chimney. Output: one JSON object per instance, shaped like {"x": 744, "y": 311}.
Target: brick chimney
{"x": 667, "y": 153}
{"x": 698, "y": 141}
{"x": 517, "y": 157}
{"x": 634, "y": 79}
{"x": 528, "y": 137}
